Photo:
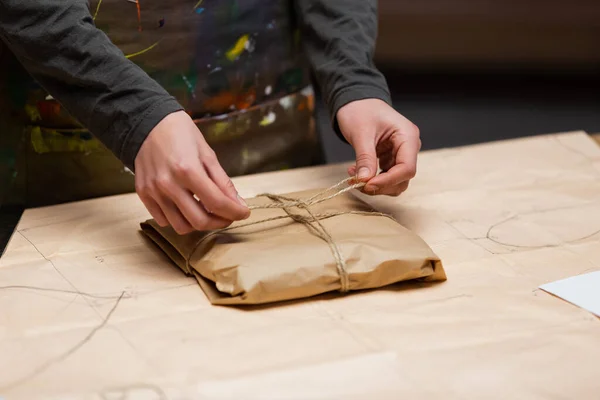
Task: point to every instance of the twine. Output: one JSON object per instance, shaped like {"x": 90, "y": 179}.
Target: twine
{"x": 312, "y": 221}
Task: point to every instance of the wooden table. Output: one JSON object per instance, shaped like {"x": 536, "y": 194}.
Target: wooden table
{"x": 90, "y": 310}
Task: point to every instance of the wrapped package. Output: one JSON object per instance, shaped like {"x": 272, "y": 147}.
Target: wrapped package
{"x": 299, "y": 245}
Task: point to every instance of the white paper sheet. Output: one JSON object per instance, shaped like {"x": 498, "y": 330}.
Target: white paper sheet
{"x": 581, "y": 290}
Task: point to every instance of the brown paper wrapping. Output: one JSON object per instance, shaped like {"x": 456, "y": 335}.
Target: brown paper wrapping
{"x": 282, "y": 260}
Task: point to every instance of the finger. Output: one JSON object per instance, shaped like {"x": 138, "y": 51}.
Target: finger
{"x": 197, "y": 181}
{"x": 404, "y": 169}
{"x": 177, "y": 221}
{"x": 194, "y": 212}
{"x": 221, "y": 179}
{"x": 395, "y": 191}
{"x": 366, "y": 158}
{"x": 388, "y": 181}
{"x": 352, "y": 174}
{"x": 142, "y": 189}
{"x": 154, "y": 210}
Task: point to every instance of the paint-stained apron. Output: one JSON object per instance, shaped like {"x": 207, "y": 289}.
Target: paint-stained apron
{"x": 236, "y": 67}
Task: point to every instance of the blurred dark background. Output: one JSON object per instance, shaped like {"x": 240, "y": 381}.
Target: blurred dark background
{"x": 471, "y": 71}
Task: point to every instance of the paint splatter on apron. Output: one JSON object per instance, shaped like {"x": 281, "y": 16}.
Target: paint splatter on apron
{"x": 236, "y": 67}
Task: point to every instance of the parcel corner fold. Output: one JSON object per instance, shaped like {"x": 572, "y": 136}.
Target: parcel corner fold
{"x": 273, "y": 257}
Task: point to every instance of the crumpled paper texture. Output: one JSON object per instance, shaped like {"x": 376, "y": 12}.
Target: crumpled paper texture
{"x": 282, "y": 260}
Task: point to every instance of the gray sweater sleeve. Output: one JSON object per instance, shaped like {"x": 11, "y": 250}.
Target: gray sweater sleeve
{"x": 339, "y": 38}
{"x": 58, "y": 44}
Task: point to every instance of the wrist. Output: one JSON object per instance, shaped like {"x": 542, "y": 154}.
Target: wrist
{"x": 354, "y": 94}
{"x": 146, "y": 124}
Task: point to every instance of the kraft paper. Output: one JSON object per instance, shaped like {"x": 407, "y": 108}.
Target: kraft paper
{"x": 283, "y": 260}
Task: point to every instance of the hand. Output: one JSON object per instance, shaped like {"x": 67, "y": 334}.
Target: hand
{"x": 377, "y": 132}
{"x": 174, "y": 164}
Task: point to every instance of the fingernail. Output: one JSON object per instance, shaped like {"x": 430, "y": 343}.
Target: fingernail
{"x": 241, "y": 201}
{"x": 363, "y": 173}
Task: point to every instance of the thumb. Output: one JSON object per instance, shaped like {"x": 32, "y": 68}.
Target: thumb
{"x": 366, "y": 159}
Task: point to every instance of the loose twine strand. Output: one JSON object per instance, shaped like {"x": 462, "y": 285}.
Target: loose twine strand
{"x": 312, "y": 221}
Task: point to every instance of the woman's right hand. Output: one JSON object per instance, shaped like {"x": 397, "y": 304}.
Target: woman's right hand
{"x": 180, "y": 180}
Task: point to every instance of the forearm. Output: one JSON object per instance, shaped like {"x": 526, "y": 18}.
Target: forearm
{"x": 58, "y": 44}
{"x": 339, "y": 38}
